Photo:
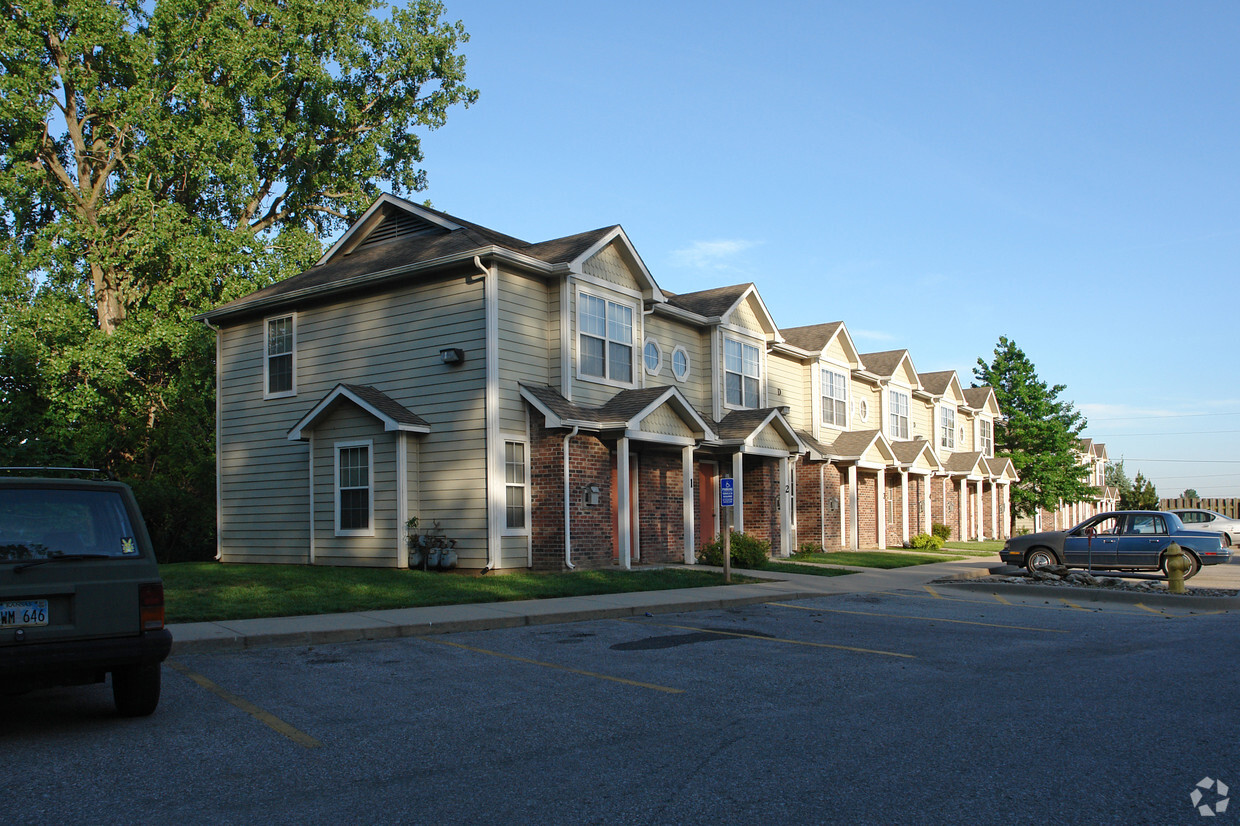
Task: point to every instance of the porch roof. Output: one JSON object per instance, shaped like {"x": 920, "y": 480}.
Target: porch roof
{"x": 394, "y": 415}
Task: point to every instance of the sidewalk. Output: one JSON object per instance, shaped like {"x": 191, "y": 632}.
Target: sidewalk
{"x": 321, "y": 629}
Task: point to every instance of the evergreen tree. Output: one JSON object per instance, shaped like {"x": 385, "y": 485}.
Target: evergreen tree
{"x": 1141, "y": 497}
{"x": 157, "y": 158}
{"x": 1116, "y": 477}
{"x": 1040, "y": 433}
{"x": 1190, "y": 493}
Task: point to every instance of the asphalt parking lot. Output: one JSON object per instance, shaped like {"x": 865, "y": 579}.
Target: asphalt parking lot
{"x": 931, "y": 705}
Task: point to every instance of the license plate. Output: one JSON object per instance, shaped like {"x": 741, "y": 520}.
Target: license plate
{"x": 26, "y": 612}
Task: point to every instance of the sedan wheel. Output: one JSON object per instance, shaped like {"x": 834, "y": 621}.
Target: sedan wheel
{"x": 1193, "y": 566}
{"x": 1039, "y": 559}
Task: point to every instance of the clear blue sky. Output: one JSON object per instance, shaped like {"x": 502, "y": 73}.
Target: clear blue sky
{"x": 934, "y": 175}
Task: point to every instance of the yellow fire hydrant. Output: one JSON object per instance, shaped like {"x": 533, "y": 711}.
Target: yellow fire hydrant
{"x": 1176, "y": 566}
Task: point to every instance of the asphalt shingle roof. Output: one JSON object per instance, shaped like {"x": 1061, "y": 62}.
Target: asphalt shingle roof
{"x": 884, "y": 363}
{"x": 907, "y": 452}
{"x": 853, "y": 443}
{"x": 709, "y": 303}
{"x": 976, "y": 396}
{"x": 963, "y": 462}
{"x": 938, "y": 382}
{"x": 385, "y": 404}
{"x": 813, "y": 337}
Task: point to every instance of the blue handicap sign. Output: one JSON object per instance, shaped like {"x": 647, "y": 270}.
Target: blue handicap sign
{"x": 725, "y": 493}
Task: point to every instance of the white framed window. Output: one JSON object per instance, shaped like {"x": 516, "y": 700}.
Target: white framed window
{"x": 947, "y": 427}
{"x": 680, "y": 363}
{"x": 863, "y": 410}
{"x": 988, "y": 437}
{"x": 742, "y": 374}
{"x": 280, "y": 356}
{"x": 516, "y": 487}
{"x": 652, "y": 357}
{"x": 355, "y": 499}
{"x": 897, "y": 413}
{"x": 604, "y": 339}
{"x": 834, "y": 398}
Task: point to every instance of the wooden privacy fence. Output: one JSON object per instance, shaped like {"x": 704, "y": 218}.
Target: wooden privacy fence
{"x": 1227, "y": 507}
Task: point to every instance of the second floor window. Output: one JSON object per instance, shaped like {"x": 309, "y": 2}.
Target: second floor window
{"x": 947, "y": 427}
{"x": 988, "y": 439}
{"x": 278, "y": 374}
{"x": 897, "y": 416}
{"x": 834, "y": 398}
{"x": 606, "y": 341}
{"x": 741, "y": 373}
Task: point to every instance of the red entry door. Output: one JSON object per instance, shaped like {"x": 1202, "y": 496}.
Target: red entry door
{"x": 708, "y": 502}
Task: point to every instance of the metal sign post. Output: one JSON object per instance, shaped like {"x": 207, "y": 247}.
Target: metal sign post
{"x": 726, "y": 499}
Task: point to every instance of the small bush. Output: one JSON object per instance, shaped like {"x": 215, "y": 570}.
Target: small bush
{"x": 747, "y": 551}
{"x": 926, "y": 541}
{"x": 940, "y": 530}
{"x": 807, "y": 549}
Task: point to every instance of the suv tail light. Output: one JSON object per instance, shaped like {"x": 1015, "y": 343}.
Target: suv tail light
{"x": 151, "y": 605}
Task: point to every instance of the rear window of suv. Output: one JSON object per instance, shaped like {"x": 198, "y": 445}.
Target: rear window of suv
{"x": 43, "y": 523}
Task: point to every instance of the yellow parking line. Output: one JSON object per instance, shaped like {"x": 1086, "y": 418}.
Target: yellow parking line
{"x": 1001, "y": 599}
{"x": 1071, "y": 604}
{"x": 651, "y": 686}
{"x": 928, "y": 619}
{"x": 296, "y": 735}
{"x": 777, "y": 639}
{"x": 933, "y": 592}
{"x": 1145, "y": 607}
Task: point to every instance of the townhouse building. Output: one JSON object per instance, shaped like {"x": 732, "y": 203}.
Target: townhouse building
{"x": 549, "y": 405}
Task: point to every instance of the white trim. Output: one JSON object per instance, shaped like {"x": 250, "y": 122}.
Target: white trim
{"x": 311, "y": 465}
{"x": 402, "y": 498}
{"x": 680, "y": 349}
{"x": 637, "y": 262}
{"x": 659, "y": 438}
{"x": 369, "y": 444}
{"x": 624, "y": 505}
{"x": 525, "y": 446}
{"x": 304, "y": 424}
{"x": 760, "y": 348}
{"x": 738, "y": 492}
{"x": 384, "y": 199}
{"x": 890, "y": 411}
{"x": 566, "y": 342}
{"x": 816, "y": 382}
{"x": 604, "y": 284}
{"x": 658, "y": 349}
{"x": 636, "y": 360}
{"x": 282, "y": 394}
{"x": 219, "y": 464}
{"x": 687, "y": 479}
{"x": 494, "y": 440}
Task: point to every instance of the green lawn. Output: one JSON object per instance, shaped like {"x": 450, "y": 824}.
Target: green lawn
{"x": 876, "y": 559}
{"x": 814, "y": 570}
{"x": 990, "y": 547}
{"x": 205, "y": 591}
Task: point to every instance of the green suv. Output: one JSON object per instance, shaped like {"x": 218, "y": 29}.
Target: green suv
{"x": 80, "y": 593}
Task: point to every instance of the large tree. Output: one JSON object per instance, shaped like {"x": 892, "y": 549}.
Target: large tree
{"x": 1040, "y": 432}
{"x": 1140, "y": 497}
{"x": 158, "y": 158}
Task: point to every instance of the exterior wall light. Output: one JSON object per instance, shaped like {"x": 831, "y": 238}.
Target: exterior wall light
{"x": 452, "y": 355}
{"x": 592, "y": 494}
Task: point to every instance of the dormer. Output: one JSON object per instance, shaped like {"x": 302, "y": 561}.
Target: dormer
{"x": 983, "y": 408}
{"x": 897, "y": 381}
{"x": 948, "y": 398}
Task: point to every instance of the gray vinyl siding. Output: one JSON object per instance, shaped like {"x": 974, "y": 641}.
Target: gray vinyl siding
{"x": 391, "y": 341}
{"x": 524, "y": 354}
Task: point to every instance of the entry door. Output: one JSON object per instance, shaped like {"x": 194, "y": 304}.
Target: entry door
{"x": 708, "y": 502}
{"x": 634, "y": 535}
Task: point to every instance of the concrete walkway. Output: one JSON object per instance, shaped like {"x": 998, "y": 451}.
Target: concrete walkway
{"x": 320, "y": 629}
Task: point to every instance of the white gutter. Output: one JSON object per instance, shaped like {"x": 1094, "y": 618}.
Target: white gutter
{"x": 568, "y": 539}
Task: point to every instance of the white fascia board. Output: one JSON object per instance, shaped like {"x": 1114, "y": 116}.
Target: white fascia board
{"x": 681, "y": 314}
{"x": 380, "y": 202}
{"x": 618, "y": 234}
{"x": 854, "y": 355}
{"x": 686, "y": 411}
{"x": 786, "y": 349}
{"x": 659, "y": 438}
{"x": 769, "y": 319}
{"x": 867, "y": 376}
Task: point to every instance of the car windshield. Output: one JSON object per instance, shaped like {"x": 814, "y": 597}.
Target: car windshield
{"x": 45, "y": 523}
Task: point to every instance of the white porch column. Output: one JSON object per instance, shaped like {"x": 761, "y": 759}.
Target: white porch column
{"x": 785, "y": 507}
{"x": 978, "y": 510}
{"x": 880, "y": 497}
{"x": 686, "y": 464}
{"x": 853, "y": 533}
{"x": 624, "y": 519}
{"x": 962, "y": 518}
{"x": 738, "y": 490}
{"x": 994, "y": 511}
{"x": 904, "y": 535}
{"x": 928, "y": 514}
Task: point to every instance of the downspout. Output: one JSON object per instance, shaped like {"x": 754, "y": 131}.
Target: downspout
{"x": 568, "y": 539}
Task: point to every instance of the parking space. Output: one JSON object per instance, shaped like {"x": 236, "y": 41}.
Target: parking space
{"x": 926, "y": 705}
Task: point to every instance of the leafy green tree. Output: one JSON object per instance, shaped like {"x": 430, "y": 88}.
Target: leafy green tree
{"x": 1190, "y": 493}
{"x": 159, "y": 158}
{"x": 1141, "y": 497}
{"x": 1115, "y": 476}
{"x": 1040, "y": 435}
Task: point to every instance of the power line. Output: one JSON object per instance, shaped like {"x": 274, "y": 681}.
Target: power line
{"x": 1186, "y": 461}
{"x": 1174, "y": 433}
{"x": 1166, "y": 416}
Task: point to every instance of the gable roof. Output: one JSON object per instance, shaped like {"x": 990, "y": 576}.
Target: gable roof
{"x": 437, "y": 240}
{"x": 908, "y": 452}
{"x": 937, "y": 383}
{"x": 711, "y": 303}
{"x": 978, "y": 397}
{"x": 816, "y": 338}
{"x": 885, "y": 363}
{"x": 626, "y": 409}
{"x": 393, "y": 414}
{"x": 854, "y": 444}
{"x": 972, "y": 463}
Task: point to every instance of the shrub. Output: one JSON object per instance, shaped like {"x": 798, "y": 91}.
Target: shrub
{"x": 807, "y": 549}
{"x": 942, "y": 531}
{"x": 747, "y": 551}
{"x": 926, "y": 541}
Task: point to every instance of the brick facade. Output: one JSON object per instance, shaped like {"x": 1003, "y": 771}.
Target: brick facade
{"x": 661, "y": 514}
{"x": 592, "y": 526}
{"x": 761, "y": 497}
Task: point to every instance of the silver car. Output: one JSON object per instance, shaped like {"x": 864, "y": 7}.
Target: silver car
{"x": 1200, "y": 519}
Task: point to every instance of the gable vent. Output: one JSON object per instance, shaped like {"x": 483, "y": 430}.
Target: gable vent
{"x": 400, "y": 224}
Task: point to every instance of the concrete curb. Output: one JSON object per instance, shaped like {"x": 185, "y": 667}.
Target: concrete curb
{"x": 1098, "y": 595}
{"x": 325, "y": 629}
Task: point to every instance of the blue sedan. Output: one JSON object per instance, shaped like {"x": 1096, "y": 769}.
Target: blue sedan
{"x": 1117, "y": 541}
